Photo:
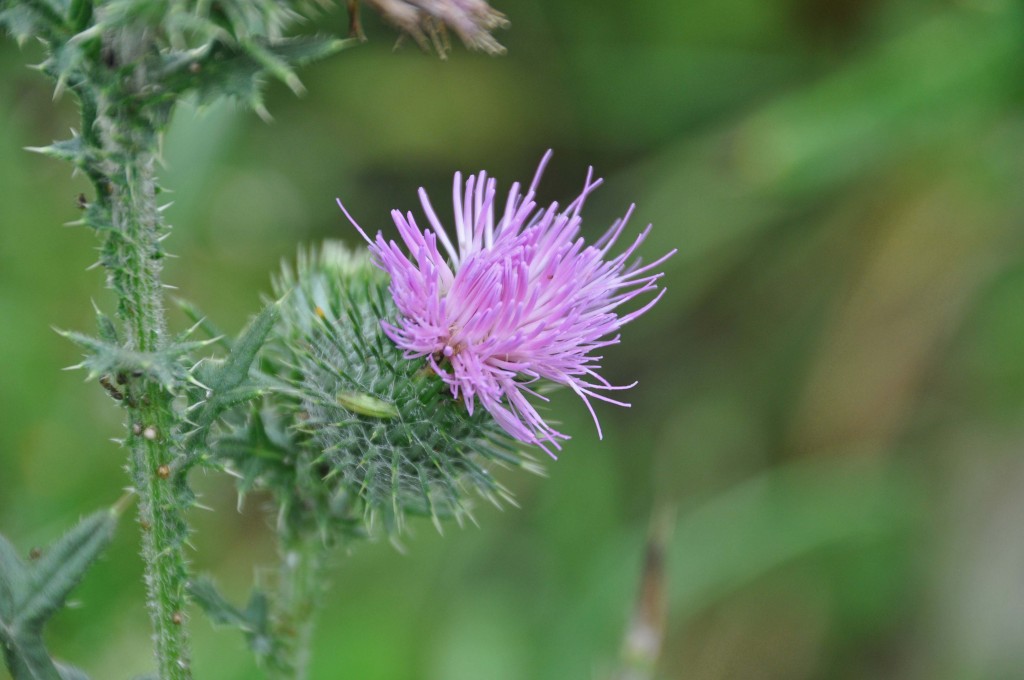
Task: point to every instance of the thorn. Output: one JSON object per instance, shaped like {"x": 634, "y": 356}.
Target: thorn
{"x": 196, "y": 382}
{"x": 123, "y": 502}
{"x": 262, "y": 112}
{"x": 233, "y": 473}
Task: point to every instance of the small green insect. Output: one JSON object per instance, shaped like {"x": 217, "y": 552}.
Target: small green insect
{"x": 367, "y": 405}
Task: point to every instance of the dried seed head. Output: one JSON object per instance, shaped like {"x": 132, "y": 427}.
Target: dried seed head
{"x": 427, "y": 22}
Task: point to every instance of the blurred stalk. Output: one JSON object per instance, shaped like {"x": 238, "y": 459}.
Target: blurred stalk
{"x": 642, "y": 644}
{"x": 299, "y": 578}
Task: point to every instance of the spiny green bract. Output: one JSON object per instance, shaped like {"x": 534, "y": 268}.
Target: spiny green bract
{"x": 380, "y": 427}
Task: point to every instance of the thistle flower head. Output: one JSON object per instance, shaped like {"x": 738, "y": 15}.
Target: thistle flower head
{"x": 516, "y": 299}
{"x": 376, "y": 432}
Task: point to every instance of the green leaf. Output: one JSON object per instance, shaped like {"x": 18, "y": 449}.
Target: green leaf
{"x": 62, "y": 566}
{"x": 31, "y": 593}
{"x": 205, "y": 594}
{"x": 244, "y": 350}
{"x": 253, "y": 621}
{"x": 25, "y": 20}
{"x": 306, "y": 49}
{"x": 80, "y": 14}
{"x": 73, "y": 150}
{"x": 108, "y": 358}
{"x": 107, "y": 329}
{"x": 779, "y": 517}
{"x": 274, "y": 65}
{"x": 13, "y": 577}
{"x": 238, "y": 70}
{"x": 70, "y": 672}
{"x": 228, "y": 380}
{"x": 29, "y": 660}
{"x": 201, "y": 322}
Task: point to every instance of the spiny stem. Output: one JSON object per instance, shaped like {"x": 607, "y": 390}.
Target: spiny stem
{"x": 132, "y": 256}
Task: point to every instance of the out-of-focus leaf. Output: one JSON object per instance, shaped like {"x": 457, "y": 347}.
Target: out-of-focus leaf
{"x": 941, "y": 76}
{"x": 31, "y": 593}
{"x": 778, "y": 517}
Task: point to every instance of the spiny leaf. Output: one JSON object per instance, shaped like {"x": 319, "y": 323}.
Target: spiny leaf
{"x": 13, "y": 577}
{"x": 306, "y": 49}
{"x": 253, "y": 621}
{"x": 238, "y": 70}
{"x": 25, "y": 19}
{"x": 104, "y": 357}
{"x": 107, "y": 329}
{"x": 274, "y": 65}
{"x": 31, "y": 593}
{"x": 73, "y": 150}
{"x": 227, "y": 380}
{"x": 205, "y": 594}
{"x": 80, "y": 14}
{"x": 29, "y": 660}
{"x": 201, "y": 321}
{"x": 244, "y": 350}
{"x": 62, "y": 566}
{"x": 70, "y": 672}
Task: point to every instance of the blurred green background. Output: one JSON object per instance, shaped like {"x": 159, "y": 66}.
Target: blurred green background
{"x": 831, "y": 394}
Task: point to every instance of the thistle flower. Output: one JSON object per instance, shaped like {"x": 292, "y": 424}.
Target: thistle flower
{"x": 512, "y": 302}
{"x": 365, "y": 430}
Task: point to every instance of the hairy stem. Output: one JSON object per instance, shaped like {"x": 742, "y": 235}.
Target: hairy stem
{"x": 132, "y": 256}
{"x": 299, "y": 586}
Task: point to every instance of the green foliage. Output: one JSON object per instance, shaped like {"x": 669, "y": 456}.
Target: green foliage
{"x": 253, "y": 621}
{"x": 225, "y": 383}
{"x": 31, "y": 593}
{"x": 214, "y": 49}
{"x": 166, "y": 367}
{"x": 129, "y": 62}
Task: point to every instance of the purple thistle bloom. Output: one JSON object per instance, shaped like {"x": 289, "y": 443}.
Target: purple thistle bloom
{"x": 512, "y": 301}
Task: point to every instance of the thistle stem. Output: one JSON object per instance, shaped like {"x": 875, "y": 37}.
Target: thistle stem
{"x": 129, "y": 256}
{"x": 299, "y": 586}
{"x": 127, "y": 137}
